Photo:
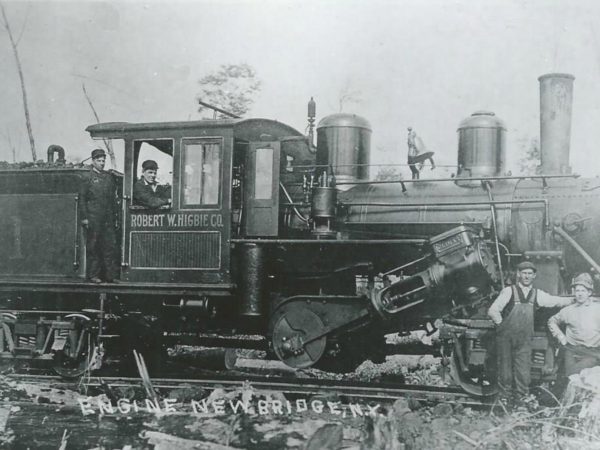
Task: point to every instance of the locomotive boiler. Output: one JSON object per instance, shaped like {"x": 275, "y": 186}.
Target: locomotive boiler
{"x": 267, "y": 233}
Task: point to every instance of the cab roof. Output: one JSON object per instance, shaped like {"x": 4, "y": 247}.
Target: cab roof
{"x": 246, "y": 129}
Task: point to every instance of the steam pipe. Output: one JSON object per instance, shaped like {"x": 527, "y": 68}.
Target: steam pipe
{"x": 578, "y": 248}
{"x": 298, "y": 214}
{"x": 487, "y": 187}
{"x": 56, "y": 149}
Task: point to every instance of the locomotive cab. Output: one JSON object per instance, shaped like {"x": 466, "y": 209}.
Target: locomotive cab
{"x": 223, "y": 178}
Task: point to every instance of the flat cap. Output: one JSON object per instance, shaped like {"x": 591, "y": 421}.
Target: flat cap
{"x": 585, "y": 280}
{"x": 149, "y": 165}
{"x": 98, "y": 153}
{"x": 526, "y": 265}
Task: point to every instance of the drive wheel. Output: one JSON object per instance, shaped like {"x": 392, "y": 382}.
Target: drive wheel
{"x": 74, "y": 358}
{"x": 68, "y": 367}
{"x": 297, "y": 336}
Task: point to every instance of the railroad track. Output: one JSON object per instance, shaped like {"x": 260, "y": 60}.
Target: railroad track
{"x": 343, "y": 389}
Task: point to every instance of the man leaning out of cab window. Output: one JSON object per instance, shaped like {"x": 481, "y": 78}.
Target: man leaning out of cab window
{"x": 147, "y": 192}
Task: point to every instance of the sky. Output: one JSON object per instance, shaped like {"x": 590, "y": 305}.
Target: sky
{"x": 421, "y": 63}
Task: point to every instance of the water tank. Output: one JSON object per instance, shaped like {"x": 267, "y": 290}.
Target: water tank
{"x": 344, "y": 142}
{"x": 481, "y": 145}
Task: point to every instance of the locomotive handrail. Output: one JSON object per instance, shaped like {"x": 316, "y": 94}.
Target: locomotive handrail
{"x": 511, "y": 177}
{"x": 310, "y": 166}
{"x": 451, "y": 179}
{"x": 77, "y": 236}
{"x": 329, "y": 241}
{"x": 124, "y": 262}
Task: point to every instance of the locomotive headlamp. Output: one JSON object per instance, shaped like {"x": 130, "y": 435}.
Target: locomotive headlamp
{"x": 460, "y": 267}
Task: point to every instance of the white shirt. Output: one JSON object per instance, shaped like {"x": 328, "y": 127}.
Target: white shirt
{"x": 543, "y": 299}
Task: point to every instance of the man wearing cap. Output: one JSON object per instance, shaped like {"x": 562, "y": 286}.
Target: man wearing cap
{"x": 581, "y": 339}
{"x": 97, "y": 207}
{"x": 147, "y": 192}
{"x": 513, "y": 314}
{"x": 414, "y": 157}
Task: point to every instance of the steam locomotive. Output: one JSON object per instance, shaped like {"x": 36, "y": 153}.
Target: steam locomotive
{"x": 267, "y": 233}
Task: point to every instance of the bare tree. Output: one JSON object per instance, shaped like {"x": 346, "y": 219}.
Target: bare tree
{"x": 23, "y": 91}
{"x": 530, "y": 160}
{"x": 11, "y": 144}
{"x": 107, "y": 142}
{"x": 233, "y": 88}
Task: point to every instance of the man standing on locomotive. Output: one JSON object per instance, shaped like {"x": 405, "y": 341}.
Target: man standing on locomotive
{"x": 414, "y": 157}
{"x": 147, "y": 192}
{"x": 513, "y": 313}
{"x": 97, "y": 203}
{"x": 581, "y": 339}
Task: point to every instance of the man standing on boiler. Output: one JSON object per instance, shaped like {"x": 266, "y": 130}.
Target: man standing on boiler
{"x": 415, "y": 158}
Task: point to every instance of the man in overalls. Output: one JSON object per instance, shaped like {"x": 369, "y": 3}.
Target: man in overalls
{"x": 512, "y": 312}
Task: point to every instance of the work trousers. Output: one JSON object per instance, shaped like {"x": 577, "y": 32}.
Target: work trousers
{"x": 412, "y": 164}
{"x": 101, "y": 252}
{"x": 513, "y": 341}
{"x": 514, "y": 363}
{"x": 579, "y": 357}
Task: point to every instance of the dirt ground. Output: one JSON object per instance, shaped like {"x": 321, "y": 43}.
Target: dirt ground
{"x": 34, "y": 416}
{"x": 43, "y": 417}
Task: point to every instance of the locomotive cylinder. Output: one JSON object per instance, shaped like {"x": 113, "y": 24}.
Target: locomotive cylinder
{"x": 481, "y": 145}
{"x": 344, "y": 142}
{"x": 252, "y": 280}
{"x": 556, "y": 101}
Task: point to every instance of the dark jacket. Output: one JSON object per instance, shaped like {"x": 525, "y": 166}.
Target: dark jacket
{"x": 143, "y": 195}
{"x": 97, "y": 197}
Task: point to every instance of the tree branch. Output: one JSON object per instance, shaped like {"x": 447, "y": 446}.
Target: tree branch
{"x": 107, "y": 142}
{"x": 24, "y": 23}
{"x": 23, "y": 91}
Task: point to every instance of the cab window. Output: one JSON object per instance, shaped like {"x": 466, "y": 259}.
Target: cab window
{"x": 201, "y": 174}
{"x": 150, "y": 151}
{"x": 263, "y": 182}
